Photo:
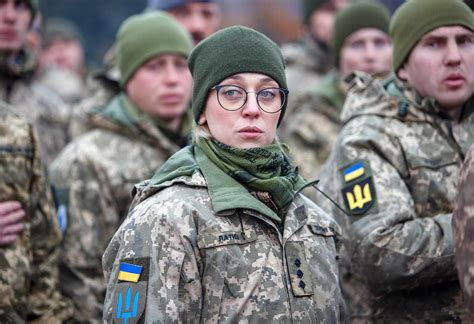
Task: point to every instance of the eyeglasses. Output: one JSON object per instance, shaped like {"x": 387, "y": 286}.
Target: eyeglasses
{"x": 232, "y": 97}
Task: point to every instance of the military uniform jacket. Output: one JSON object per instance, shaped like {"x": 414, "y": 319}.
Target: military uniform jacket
{"x": 395, "y": 170}
{"x": 40, "y": 105}
{"x": 199, "y": 265}
{"x": 29, "y": 287}
{"x": 306, "y": 64}
{"x": 463, "y": 227}
{"x": 312, "y": 131}
{"x": 94, "y": 176}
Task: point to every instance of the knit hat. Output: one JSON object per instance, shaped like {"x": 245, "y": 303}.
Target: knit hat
{"x": 356, "y": 16}
{"x": 470, "y": 3}
{"x": 309, "y": 6}
{"x": 415, "y": 18}
{"x": 59, "y": 28}
{"x": 169, "y": 4}
{"x": 230, "y": 51}
{"x": 144, "y": 36}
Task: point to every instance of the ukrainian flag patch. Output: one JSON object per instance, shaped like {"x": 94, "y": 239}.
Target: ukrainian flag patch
{"x": 129, "y": 272}
{"x": 353, "y": 172}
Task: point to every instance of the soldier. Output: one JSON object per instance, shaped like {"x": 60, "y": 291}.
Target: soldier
{"x": 200, "y": 18}
{"x": 308, "y": 59}
{"x": 220, "y": 233}
{"x": 360, "y": 42}
{"x": 29, "y": 231}
{"x": 395, "y": 168}
{"x": 62, "y": 60}
{"x": 41, "y": 106}
{"x": 134, "y": 134}
{"x": 463, "y": 227}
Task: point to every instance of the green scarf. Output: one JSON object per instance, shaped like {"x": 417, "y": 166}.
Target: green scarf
{"x": 261, "y": 169}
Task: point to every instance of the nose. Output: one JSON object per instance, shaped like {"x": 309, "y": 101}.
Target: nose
{"x": 172, "y": 74}
{"x": 453, "y": 54}
{"x": 197, "y": 23}
{"x": 370, "y": 52}
{"x": 8, "y": 11}
{"x": 251, "y": 108}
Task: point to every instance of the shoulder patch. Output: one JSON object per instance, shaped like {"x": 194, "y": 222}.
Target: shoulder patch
{"x": 358, "y": 191}
{"x": 131, "y": 289}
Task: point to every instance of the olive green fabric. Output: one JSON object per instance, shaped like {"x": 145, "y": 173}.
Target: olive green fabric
{"x": 263, "y": 169}
{"x": 356, "y": 16}
{"x": 231, "y": 51}
{"x": 309, "y": 6}
{"x": 144, "y": 36}
{"x": 60, "y": 28}
{"x": 415, "y": 18}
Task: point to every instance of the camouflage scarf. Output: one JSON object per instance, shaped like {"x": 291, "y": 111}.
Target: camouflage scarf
{"x": 261, "y": 170}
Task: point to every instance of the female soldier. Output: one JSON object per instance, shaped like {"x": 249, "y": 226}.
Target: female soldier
{"x": 220, "y": 233}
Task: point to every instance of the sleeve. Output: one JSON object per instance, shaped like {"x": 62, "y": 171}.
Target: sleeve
{"x": 161, "y": 239}
{"x": 45, "y": 302}
{"x": 85, "y": 193}
{"x": 463, "y": 229}
{"x": 390, "y": 246}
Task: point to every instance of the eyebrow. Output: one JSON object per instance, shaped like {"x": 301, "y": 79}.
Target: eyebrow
{"x": 239, "y": 78}
{"x": 443, "y": 37}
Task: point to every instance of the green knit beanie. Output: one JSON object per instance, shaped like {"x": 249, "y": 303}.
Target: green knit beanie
{"x": 415, "y": 18}
{"x": 144, "y": 36}
{"x": 230, "y": 51}
{"x": 309, "y": 6}
{"x": 356, "y": 16}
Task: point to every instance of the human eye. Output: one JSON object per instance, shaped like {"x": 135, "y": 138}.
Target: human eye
{"x": 21, "y": 4}
{"x": 232, "y": 92}
{"x": 466, "y": 40}
{"x": 357, "y": 44}
{"x": 268, "y": 94}
{"x": 380, "y": 42}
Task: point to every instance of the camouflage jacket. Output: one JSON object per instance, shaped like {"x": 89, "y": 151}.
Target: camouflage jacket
{"x": 29, "y": 287}
{"x": 205, "y": 264}
{"x": 306, "y": 64}
{"x": 463, "y": 220}
{"x": 94, "y": 176}
{"x": 40, "y": 105}
{"x": 395, "y": 170}
{"x": 312, "y": 131}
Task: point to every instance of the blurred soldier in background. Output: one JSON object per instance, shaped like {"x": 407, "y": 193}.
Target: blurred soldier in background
{"x": 29, "y": 231}
{"x": 360, "y": 42}
{"x": 395, "y": 168}
{"x": 133, "y": 135}
{"x": 61, "y": 62}
{"x": 40, "y": 105}
{"x": 308, "y": 59}
{"x": 463, "y": 229}
{"x": 200, "y": 18}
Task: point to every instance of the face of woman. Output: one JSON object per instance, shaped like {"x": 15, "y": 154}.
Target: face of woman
{"x": 249, "y": 126}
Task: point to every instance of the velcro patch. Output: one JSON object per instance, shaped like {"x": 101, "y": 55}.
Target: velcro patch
{"x": 300, "y": 275}
{"x": 359, "y": 196}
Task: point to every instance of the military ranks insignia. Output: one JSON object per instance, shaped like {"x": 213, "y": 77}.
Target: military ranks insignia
{"x": 131, "y": 289}
{"x": 358, "y": 190}
{"x": 300, "y": 275}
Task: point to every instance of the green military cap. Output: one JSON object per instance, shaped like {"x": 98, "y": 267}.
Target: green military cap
{"x": 415, "y": 18}
{"x": 144, "y": 36}
{"x": 60, "y": 28}
{"x": 309, "y": 6}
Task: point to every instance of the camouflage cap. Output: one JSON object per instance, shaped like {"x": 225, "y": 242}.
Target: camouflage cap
{"x": 415, "y": 18}
{"x": 170, "y": 4}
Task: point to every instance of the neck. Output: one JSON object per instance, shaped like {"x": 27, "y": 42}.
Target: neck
{"x": 454, "y": 114}
{"x": 175, "y": 124}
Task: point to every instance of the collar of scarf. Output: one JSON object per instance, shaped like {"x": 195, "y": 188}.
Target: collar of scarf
{"x": 260, "y": 170}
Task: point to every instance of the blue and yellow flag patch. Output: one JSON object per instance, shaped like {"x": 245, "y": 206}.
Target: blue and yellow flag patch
{"x": 353, "y": 172}
{"x": 358, "y": 190}
{"x": 129, "y": 272}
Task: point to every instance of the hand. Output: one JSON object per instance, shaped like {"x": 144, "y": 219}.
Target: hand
{"x": 11, "y": 222}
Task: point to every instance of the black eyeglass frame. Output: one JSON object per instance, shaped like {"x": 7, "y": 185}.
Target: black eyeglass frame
{"x": 218, "y": 87}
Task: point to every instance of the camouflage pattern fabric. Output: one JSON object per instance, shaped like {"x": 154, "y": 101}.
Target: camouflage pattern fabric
{"x": 29, "y": 287}
{"x": 233, "y": 267}
{"x": 94, "y": 176}
{"x": 395, "y": 170}
{"x": 463, "y": 229}
{"x": 312, "y": 131}
{"x": 100, "y": 89}
{"x": 306, "y": 64}
{"x": 40, "y": 105}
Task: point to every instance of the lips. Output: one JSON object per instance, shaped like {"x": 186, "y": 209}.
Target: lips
{"x": 8, "y": 34}
{"x": 454, "y": 80}
{"x": 171, "y": 98}
{"x": 250, "y": 129}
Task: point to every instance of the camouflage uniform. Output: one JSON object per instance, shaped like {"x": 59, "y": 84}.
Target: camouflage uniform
{"x": 29, "y": 288}
{"x": 462, "y": 222}
{"x": 312, "y": 131}
{"x": 395, "y": 169}
{"x": 48, "y": 113}
{"x": 94, "y": 176}
{"x": 206, "y": 265}
{"x": 306, "y": 64}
